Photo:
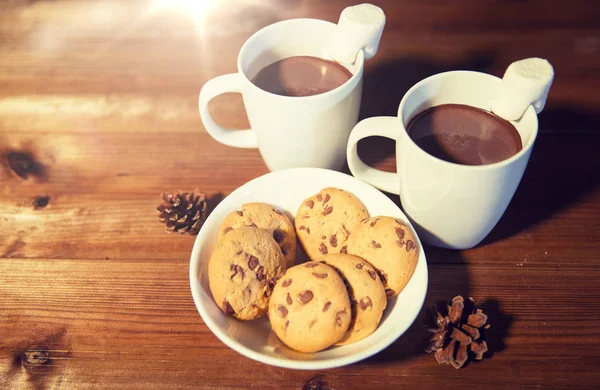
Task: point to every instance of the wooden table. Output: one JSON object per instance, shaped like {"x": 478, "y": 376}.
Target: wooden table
{"x": 101, "y": 96}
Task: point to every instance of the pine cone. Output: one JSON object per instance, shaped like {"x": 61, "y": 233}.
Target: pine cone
{"x": 457, "y": 333}
{"x": 182, "y": 212}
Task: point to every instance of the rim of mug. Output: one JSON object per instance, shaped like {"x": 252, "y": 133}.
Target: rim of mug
{"x": 352, "y": 80}
{"x": 499, "y": 164}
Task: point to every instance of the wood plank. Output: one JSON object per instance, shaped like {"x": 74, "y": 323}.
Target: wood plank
{"x": 142, "y": 68}
{"x": 133, "y": 324}
{"x": 107, "y": 210}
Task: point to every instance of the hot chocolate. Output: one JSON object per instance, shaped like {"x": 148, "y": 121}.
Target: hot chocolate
{"x": 301, "y": 76}
{"x": 464, "y": 134}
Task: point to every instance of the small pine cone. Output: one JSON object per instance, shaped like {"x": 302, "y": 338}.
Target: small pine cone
{"x": 457, "y": 333}
{"x": 182, "y": 212}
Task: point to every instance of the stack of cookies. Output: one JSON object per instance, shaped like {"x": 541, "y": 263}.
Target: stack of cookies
{"x": 356, "y": 263}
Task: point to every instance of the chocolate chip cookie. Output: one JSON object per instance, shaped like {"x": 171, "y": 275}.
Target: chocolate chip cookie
{"x": 310, "y": 308}
{"x": 324, "y": 221}
{"x": 366, "y": 292}
{"x": 268, "y": 218}
{"x": 242, "y": 270}
{"x": 390, "y": 247}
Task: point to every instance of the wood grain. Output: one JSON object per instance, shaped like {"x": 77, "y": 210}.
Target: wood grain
{"x": 101, "y": 96}
{"x": 115, "y": 320}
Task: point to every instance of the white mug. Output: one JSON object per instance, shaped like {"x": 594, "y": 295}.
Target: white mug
{"x": 451, "y": 205}
{"x": 307, "y": 131}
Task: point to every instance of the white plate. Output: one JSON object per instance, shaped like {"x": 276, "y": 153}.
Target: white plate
{"x": 254, "y": 339}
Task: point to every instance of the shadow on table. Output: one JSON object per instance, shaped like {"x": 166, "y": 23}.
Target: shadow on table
{"x": 500, "y": 323}
{"x": 448, "y": 277}
{"x": 213, "y": 200}
{"x": 563, "y": 168}
{"x": 386, "y": 83}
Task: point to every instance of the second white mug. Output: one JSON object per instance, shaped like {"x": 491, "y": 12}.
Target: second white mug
{"x": 451, "y": 205}
{"x": 290, "y": 132}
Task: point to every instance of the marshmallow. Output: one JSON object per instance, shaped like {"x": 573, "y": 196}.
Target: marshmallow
{"x": 359, "y": 27}
{"x": 526, "y": 82}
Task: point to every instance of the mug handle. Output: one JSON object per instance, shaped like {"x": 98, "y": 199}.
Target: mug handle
{"x": 383, "y": 126}
{"x": 219, "y": 85}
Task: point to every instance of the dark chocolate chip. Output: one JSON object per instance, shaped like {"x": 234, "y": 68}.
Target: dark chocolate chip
{"x": 400, "y": 243}
{"x": 288, "y": 299}
{"x": 310, "y": 203}
{"x": 344, "y": 249}
{"x": 333, "y": 241}
{"x": 308, "y": 230}
{"x": 302, "y": 227}
{"x": 227, "y": 229}
{"x": 383, "y": 277}
{"x": 400, "y": 233}
{"x": 311, "y": 324}
{"x": 241, "y": 214}
{"x": 252, "y": 262}
{"x": 282, "y": 311}
{"x": 327, "y": 210}
{"x": 311, "y": 264}
{"x": 410, "y": 245}
{"x": 286, "y": 283}
{"x": 320, "y": 276}
{"x": 326, "y": 307}
{"x": 374, "y": 222}
{"x": 319, "y": 197}
{"x": 372, "y": 274}
{"x": 260, "y": 274}
{"x": 327, "y": 197}
{"x": 287, "y": 323}
{"x": 365, "y": 303}
{"x": 277, "y": 211}
{"x": 359, "y": 265}
{"x": 305, "y": 296}
{"x": 323, "y": 237}
{"x": 323, "y": 248}
{"x": 375, "y": 244}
